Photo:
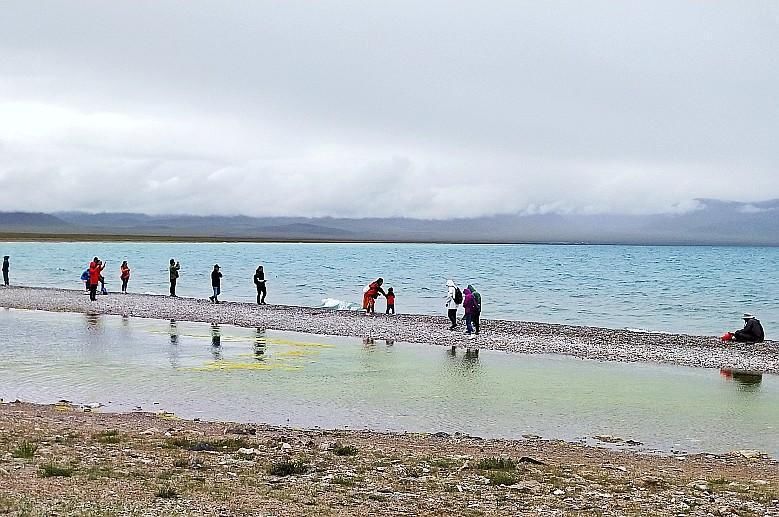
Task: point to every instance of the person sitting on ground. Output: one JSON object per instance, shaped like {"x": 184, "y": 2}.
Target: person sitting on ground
{"x": 752, "y": 331}
{"x": 390, "y": 301}
{"x": 370, "y": 293}
{"x": 216, "y": 282}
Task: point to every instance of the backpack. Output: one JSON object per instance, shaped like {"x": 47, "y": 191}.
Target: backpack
{"x": 458, "y": 296}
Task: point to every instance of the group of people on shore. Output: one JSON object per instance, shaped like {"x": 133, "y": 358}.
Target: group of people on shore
{"x": 93, "y": 278}
{"x": 469, "y": 298}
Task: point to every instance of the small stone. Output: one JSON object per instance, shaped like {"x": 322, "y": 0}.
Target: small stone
{"x": 247, "y": 451}
{"x": 285, "y": 446}
{"x": 151, "y": 431}
{"x": 559, "y": 492}
{"x": 531, "y": 486}
{"x": 607, "y": 438}
{"x": 748, "y": 453}
{"x": 325, "y": 446}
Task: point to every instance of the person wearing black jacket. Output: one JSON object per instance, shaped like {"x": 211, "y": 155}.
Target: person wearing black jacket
{"x": 6, "y": 266}
{"x": 259, "y": 281}
{"x": 752, "y": 331}
{"x": 216, "y": 282}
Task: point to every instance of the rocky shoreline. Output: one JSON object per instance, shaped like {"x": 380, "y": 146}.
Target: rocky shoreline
{"x": 60, "y": 460}
{"x": 513, "y": 336}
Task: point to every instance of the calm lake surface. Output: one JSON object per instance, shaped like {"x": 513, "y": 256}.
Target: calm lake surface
{"x": 239, "y": 374}
{"x": 695, "y": 290}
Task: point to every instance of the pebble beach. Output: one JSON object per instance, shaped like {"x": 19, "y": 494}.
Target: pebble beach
{"x": 593, "y": 343}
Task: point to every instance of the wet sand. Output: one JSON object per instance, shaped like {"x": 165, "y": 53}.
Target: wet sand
{"x": 514, "y": 336}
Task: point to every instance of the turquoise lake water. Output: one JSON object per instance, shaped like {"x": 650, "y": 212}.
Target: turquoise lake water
{"x": 698, "y": 290}
{"x": 221, "y": 372}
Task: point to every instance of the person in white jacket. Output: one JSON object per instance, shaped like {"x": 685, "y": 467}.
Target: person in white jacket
{"x": 451, "y": 303}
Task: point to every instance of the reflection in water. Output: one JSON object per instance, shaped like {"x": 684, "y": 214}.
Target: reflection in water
{"x": 259, "y": 345}
{"x": 173, "y": 351}
{"x": 469, "y": 364}
{"x": 746, "y": 380}
{"x": 125, "y": 320}
{"x": 389, "y": 342}
{"x": 174, "y": 332}
{"x": 216, "y": 342}
{"x": 93, "y": 321}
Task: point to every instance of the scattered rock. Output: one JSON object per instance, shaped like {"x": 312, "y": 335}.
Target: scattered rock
{"x": 533, "y": 461}
{"x": 748, "y": 453}
{"x": 531, "y": 487}
{"x": 247, "y": 451}
{"x": 151, "y": 431}
{"x": 607, "y": 438}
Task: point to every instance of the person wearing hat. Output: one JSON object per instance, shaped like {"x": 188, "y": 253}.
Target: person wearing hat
{"x": 752, "y": 331}
{"x": 6, "y": 266}
{"x": 216, "y": 282}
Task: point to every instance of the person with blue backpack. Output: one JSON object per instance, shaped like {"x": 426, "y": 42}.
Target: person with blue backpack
{"x": 454, "y": 297}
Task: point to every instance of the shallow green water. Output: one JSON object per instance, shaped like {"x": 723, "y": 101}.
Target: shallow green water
{"x": 231, "y": 373}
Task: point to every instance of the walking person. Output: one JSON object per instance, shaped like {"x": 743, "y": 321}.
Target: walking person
{"x": 124, "y": 276}
{"x": 174, "y": 276}
{"x": 95, "y": 269}
{"x": 454, "y": 297}
{"x": 469, "y": 304}
{"x": 259, "y": 281}
{"x": 6, "y": 267}
{"x": 477, "y": 314}
{"x": 216, "y": 283}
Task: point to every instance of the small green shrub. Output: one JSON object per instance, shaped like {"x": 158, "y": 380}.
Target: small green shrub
{"x": 166, "y": 492}
{"x": 25, "y": 450}
{"x": 51, "y": 470}
{"x": 500, "y": 477}
{"x": 496, "y": 464}
{"x": 344, "y": 450}
{"x": 287, "y": 468}
{"x": 111, "y": 436}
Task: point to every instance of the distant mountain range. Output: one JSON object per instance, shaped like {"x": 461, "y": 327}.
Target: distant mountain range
{"x": 715, "y": 222}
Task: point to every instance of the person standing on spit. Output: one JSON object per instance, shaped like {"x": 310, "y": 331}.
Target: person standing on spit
{"x": 469, "y": 304}
{"x": 174, "y": 276}
{"x": 477, "y": 314}
{"x": 390, "y": 301}
{"x": 95, "y": 269}
{"x": 454, "y": 297}
{"x": 216, "y": 283}
{"x": 124, "y": 276}
{"x": 6, "y": 267}
{"x": 259, "y": 281}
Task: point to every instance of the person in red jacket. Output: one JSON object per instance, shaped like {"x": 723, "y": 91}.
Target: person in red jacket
{"x": 370, "y": 294}
{"x": 95, "y": 269}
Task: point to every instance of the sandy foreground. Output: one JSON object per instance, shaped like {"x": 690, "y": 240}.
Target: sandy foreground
{"x": 517, "y": 336}
{"x": 59, "y": 460}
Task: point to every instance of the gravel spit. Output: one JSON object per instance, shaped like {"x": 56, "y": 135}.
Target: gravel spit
{"x": 511, "y": 336}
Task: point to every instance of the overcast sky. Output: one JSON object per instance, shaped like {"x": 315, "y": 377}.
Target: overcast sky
{"x": 397, "y": 108}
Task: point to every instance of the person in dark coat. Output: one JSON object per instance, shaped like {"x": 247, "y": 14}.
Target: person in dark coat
{"x": 752, "y": 331}
{"x": 259, "y": 281}
{"x": 216, "y": 283}
{"x": 6, "y": 267}
{"x": 174, "y": 276}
